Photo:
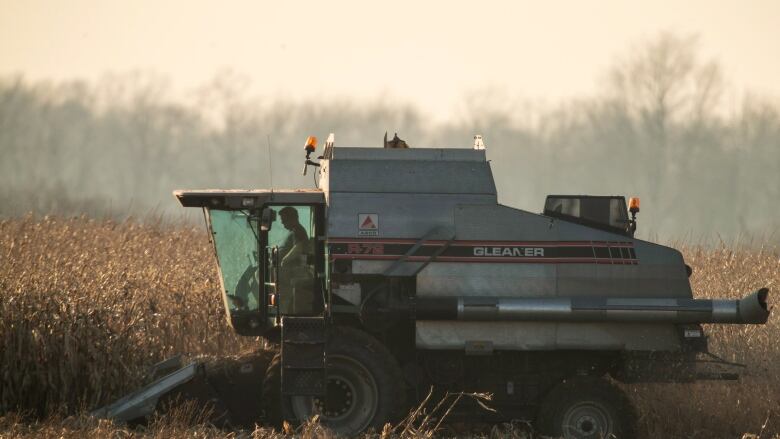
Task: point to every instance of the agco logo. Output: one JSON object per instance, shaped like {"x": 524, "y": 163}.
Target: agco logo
{"x": 515, "y": 252}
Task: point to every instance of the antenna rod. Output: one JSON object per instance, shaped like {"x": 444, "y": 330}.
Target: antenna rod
{"x": 270, "y": 162}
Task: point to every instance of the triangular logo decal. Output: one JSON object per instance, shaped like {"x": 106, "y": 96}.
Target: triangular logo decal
{"x": 368, "y": 223}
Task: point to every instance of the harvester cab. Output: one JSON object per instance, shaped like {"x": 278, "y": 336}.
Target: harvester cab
{"x": 270, "y": 253}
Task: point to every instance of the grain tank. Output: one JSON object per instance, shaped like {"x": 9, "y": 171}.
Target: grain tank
{"x": 550, "y": 281}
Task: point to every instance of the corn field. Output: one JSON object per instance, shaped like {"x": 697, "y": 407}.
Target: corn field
{"x": 87, "y": 305}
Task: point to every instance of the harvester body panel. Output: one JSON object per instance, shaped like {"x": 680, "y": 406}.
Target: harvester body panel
{"x": 432, "y": 216}
{"x": 492, "y": 251}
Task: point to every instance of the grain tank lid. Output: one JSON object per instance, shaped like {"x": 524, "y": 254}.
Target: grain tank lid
{"x": 409, "y": 171}
{"x": 246, "y": 198}
{"x": 415, "y": 154}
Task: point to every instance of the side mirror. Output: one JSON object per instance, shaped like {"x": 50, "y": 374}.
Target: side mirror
{"x": 267, "y": 219}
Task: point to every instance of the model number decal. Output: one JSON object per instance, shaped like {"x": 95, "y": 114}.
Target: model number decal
{"x": 526, "y": 252}
{"x": 365, "y": 249}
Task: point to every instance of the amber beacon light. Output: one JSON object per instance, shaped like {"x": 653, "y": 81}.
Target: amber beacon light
{"x": 311, "y": 144}
{"x": 633, "y": 205}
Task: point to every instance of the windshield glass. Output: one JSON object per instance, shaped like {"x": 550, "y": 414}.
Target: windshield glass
{"x": 235, "y": 237}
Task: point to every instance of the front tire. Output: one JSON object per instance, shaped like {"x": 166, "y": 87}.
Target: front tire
{"x": 586, "y": 408}
{"x": 365, "y": 386}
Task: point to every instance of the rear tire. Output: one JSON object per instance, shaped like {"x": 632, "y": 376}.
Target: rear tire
{"x": 587, "y": 408}
{"x": 365, "y": 385}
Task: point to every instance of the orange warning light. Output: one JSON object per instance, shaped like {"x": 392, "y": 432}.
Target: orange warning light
{"x": 311, "y": 144}
{"x": 633, "y": 204}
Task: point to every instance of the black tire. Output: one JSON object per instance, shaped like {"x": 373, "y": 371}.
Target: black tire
{"x": 365, "y": 384}
{"x": 587, "y": 408}
{"x": 272, "y": 391}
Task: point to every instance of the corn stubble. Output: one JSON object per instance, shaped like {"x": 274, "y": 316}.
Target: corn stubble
{"x": 88, "y": 305}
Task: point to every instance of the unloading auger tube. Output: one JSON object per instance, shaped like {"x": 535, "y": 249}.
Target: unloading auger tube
{"x": 751, "y": 309}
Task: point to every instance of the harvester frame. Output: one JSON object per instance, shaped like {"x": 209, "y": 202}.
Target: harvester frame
{"x": 401, "y": 272}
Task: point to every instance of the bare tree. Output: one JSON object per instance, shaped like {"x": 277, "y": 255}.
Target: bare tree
{"x": 656, "y": 132}
{"x": 668, "y": 94}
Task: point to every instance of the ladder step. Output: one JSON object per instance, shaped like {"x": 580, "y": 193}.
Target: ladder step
{"x": 303, "y": 356}
{"x": 303, "y": 382}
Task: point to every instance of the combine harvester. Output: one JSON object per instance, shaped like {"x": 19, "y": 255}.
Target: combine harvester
{"x": 402, "y": 272}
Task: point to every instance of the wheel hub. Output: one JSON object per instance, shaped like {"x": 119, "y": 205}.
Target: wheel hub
{"x": 340, "y": 399}
{"x": 586, "y": 425}
{"x": 587, "y": 420}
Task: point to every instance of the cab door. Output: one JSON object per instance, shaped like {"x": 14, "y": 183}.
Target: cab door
{"x": 236, "y": 243}
{"x": 293, "y": 259}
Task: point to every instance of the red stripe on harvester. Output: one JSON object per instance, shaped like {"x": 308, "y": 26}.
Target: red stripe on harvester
{"x": 528, "y": 260}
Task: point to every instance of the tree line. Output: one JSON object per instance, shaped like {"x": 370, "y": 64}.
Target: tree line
{"x": 663, "y": 126}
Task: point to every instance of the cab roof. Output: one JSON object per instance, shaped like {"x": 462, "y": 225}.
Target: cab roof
{"x": 247, "y": 198}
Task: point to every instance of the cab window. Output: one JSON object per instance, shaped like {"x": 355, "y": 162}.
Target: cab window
{"x": 235, "y": 239}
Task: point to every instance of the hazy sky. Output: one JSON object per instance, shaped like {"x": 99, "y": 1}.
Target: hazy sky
{"x": 428, "y": 53}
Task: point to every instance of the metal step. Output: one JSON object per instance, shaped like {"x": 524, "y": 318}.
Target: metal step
{"x": 303, "y": 356}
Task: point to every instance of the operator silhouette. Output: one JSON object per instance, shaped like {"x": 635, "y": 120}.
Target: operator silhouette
{"x": 297, "y": 273}
{"x": 295, "y": 247}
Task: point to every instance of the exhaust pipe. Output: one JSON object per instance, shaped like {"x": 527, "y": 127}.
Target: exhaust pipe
{"x": 751, "y": 309}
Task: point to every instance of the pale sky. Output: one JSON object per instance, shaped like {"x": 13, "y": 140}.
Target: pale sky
{"x": 426, "y": 53}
